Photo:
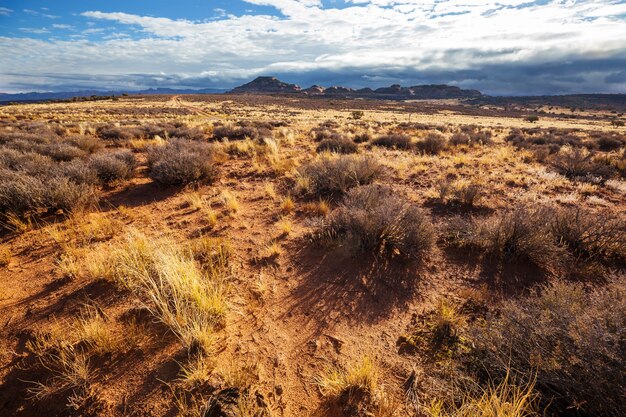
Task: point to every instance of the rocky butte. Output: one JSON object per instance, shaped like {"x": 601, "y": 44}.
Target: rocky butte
{"x": 272, "y": 85}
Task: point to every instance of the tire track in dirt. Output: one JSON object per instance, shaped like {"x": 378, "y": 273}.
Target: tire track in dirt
{"x": 176, "y": 100}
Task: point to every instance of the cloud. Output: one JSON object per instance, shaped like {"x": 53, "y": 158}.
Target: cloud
{"x": 503, "y": 46}
{"x": 5, "y": 11}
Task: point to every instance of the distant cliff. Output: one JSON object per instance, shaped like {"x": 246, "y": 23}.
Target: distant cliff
{"x": 272, "y": 85}
{"x": 265, "y": 85}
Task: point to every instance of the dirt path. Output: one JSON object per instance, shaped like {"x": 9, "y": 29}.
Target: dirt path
{"x": 176, "y": 101}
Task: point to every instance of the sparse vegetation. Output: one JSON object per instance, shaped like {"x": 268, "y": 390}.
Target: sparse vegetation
{"x": 521, "y": 235}
{"x": 182, "y": 162}
{"x": 330, "y": 175}
{"x": 371, "y": 218}
{"x": 295, "y": 234}
{"x": 562, "y": 337}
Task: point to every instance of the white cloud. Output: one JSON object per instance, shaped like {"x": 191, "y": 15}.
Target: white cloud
{"x": 5, "y": 11}
{"x": 374, "y": 36}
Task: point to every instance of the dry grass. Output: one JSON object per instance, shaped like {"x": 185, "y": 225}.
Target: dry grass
{"x": 5, "y": 255}
{"x": 96, "y": 331}
{"x": 189, "y": 300}
{"x": 359, "y": 376}
{"x": 503, "y": 400}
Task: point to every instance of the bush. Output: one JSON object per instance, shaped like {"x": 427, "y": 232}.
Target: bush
{"x": 337, "y": 174}
{"x": 61, "y": 151}
{"x": 64, "y": 194}
{"x": 88, "y": 144}
{"x": 339, "y": 144}
{"x": 362, "y": 137}
{"x": 590, "y": 237}
{"x": 571, "y": 342}
{"x": 118, "y": 134}
{"x": 393, "y": 141}
{"x": 532, "y": 118}
{"x": 182, "y": 162}
{"x": 471, "y": 138}
{"x": 78, "y": 171}
{"x": 372, "y": 218}
{"x": 607, "y": 141}
{"x": 235, "y": 133}
{"x": 577, "y": 164}
{"x": 432, "y": 144}
{"x": 20, "y": 192}
{"x": 114, "y": 166}
{"x": 520, "y": 235}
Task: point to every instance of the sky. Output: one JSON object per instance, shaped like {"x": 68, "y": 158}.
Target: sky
{"x": 501, "y": 47}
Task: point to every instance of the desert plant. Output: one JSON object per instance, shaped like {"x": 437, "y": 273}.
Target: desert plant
{"x": 21, "y": 192}
{"x": 183, "y": 162}
{"x": 393, "y": 141}
{"x": 433, "y": 143}
{"x": 461, "y": 192}
{"x": 190, "y": 301}
{"x": 329, "y": 174}
{"x": 114, "y": 166}
{"x": 563, "y": 337}
{"x": 519, "y": 235}
{"x": 372, "y": 218}
{"x": 590, "y": 236}
{"x": 360, "y": 376}
{"x": 505, "y": 399}
{"x": 339, "y": 144}
{"x": 577, "y": 164}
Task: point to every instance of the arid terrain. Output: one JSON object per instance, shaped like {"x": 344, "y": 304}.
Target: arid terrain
{"x": 249, "y": 255}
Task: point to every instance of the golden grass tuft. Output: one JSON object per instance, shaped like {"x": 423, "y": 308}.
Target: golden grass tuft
{"x": 188, "y": 299}
{"x": 97, "y": 332}
{"x": 361, "y": 376}
{"x": 287, "y": 205}
{"x": 504, "y": 400}
{"x": 5, "y": 255}
{"x": 229, "y": 201}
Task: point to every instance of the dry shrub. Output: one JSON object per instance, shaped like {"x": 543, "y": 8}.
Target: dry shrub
{"x": 608, "y": 141}
{"x": 88, "y": 144}
{"x": 330, "y": 174}
{"x": 471, "y": 138}
{"x": 114, "y": 166}
{"x": 372, "y": 218}
{"x": 236, "y": 133}
{"x": 578, "y": 164}
{"x": 461, "y": 192}
{"x": 183, "y": 162}
{"x": 393, "y": 141}
{"x": 60, "y": 151}
{"x": 338, "y": 144}
{"x": 117, "y": 133}
{"x": 520, "y": 235}
{"x": 433, "y": 143}
{"x": 362, "y": 137}
{"x": 21, "y": 192}
{"x": 590, "y": 236}
{"x": 69, "y": 196}
{"x": 570, "y": 341}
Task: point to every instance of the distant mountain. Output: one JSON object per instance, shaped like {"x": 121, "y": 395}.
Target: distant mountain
{"x": 64, "y": 95}
{"x": 266, "y": 85}
{"x": 272, "y": 85}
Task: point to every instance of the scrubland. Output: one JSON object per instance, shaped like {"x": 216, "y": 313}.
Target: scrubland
{"x": 240, "y": 256}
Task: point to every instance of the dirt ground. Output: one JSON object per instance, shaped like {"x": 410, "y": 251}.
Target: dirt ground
{"x": 305, "y": 309}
